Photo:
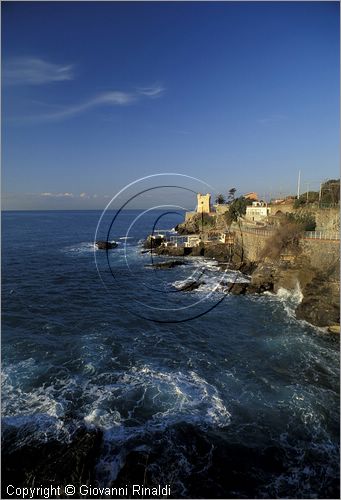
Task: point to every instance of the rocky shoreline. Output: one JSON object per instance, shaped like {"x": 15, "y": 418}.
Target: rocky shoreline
{"x": 320, "y": 304}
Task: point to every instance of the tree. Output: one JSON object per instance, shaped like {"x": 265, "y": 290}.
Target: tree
{"x": 230, "y": 196}
{"x": 330, "y": 192}
{"x": 237, "y": 209}
{"x": 220, "y": 200}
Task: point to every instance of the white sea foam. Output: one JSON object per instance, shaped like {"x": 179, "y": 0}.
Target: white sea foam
{"x": 155, "y": 399}
{"x": 83, "y": 247}
{"x": 138, "y": 401}
{"x": 149, "y": 401}
{"x": 290, "y": 299}
{"x": 38, "y": 410}
{"x": 211, "y": 281}
{"x": 17, "y": 401}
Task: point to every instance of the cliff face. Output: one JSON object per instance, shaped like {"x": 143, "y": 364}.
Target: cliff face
{"x": 321, "y": 298}
{"x": 320, "y": 304}
{"x": 311, "y": 264}
{"x": 197, "y": 223}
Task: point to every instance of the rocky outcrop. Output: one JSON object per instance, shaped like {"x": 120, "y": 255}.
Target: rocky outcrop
{"x": 296, "y": 270}
{"x": 173, "y": 251}
{"x": 51, "y": 463}
{"x": 321, "y": 299}
{"x": 190, "y": 286}
{"x": 235, "y": 288}
{"x": 106, "y": 245}
{"x": 193, "y": 225}
{"x": 247, "y": 288}
{"x": 218, "y": 251}
{"x": 320, "y": 305}
{"x": 152, "y": 242}
{"x": 167, "y": 264}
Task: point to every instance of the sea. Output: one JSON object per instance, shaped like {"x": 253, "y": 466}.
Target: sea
{"x": 229, "y": 396}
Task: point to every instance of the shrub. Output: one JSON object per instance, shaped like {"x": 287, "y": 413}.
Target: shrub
{"x": 306, "y": 221}
{"x": 286, "y": 237}
{"x": 299, "y": 202}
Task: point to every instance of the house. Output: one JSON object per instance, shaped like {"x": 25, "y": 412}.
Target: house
{"x": 258, "y": 211}
{"x": 251, "y": 196}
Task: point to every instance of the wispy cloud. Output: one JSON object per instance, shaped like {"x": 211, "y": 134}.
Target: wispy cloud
{"x": 58, "y": 195}
{"x": 83, "y": 196}
{"x": 111, "y": 98}
{"x": 271, "y": 119}
{"x": 34, "y": 71}
{"x": 53, "y": 200}
{"x": 154, "y": 91}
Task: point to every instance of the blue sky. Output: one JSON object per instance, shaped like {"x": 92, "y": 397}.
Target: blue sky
{"x": 98, "y": 94}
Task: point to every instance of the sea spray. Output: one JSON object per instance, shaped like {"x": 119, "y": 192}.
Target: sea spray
{"x": 290, "y": 298}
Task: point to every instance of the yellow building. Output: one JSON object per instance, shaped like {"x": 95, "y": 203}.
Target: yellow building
{"x": 204, "y": 203}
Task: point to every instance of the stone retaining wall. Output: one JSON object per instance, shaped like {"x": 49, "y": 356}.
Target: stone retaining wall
{"x": 321, "y": 253}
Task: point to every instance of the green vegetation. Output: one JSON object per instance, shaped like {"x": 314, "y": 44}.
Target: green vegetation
{"x": 305, "y": 198}
{"x": 306, "y": 221}
{"x": 328, "y": 196}
{"x": 220, "y": 200}
{"x": 197, "y": 223}
{"x": 330, "y": 192}
{"x": 231, "y": 194}
{"x": 237, "y": 209}
{"x": 206, "y": 221}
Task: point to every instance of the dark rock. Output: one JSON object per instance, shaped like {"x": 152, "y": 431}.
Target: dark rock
{"x": 189, "y": 287}
{"x": 153, "y": 242}
{"x": 106, "y": 245}
{"x": 321, "y": 299}
{"x": 191, "y": 226}
{"x": 218, "y": 251}
{"x": 237, "y": 288}
{"x": 199, "y": 250}
{"x": 166, "y": 265}
{"x": 247, "y": 267}
{"x": 173, "y": 251}
{"x": 267, "y": 286}
{"x": 53, "y": 462}
{"x": 247, "y": 288}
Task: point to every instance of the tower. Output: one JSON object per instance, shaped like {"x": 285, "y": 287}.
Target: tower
{"x": 204, "y": 203}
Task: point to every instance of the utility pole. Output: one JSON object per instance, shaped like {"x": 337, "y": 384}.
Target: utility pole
{"x": 202, "y": 217}
{"x": 307, "y": 192}
{"x": 298, "y": 184}
{"x": 320, "y": 193}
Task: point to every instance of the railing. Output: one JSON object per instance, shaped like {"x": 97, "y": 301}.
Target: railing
{"x": 328, "y": 205}
{"x": 255, "y": 230}
{"x": 315, "y": 235}
{"x": 322, "y": 235}
{"x": 185, "y": 239}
